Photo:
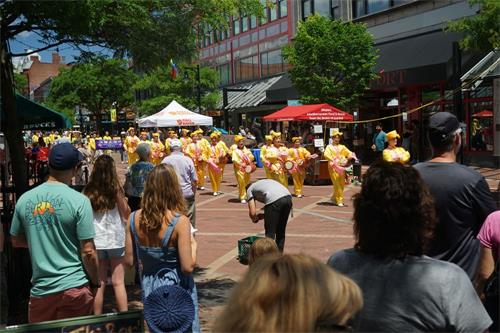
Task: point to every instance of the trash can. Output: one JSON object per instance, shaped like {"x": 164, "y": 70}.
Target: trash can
{"x": 256, "y": 154}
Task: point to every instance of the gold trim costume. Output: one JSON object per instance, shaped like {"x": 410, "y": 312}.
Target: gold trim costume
{"x": 299, "y": 156}
{"x": 263, "y": 150}
{"x": 130, "y": 145}
{"x": 393, "y": 153}
{"x": 185, "y": 139}
{"x": 157, "y": 149}
{"x": 338, "y": 157}
{"x": 199, "y": 152}
{"x": 275, "y": 158}
{"x": 216, "y": 161}
{"x": 242, "y": 158}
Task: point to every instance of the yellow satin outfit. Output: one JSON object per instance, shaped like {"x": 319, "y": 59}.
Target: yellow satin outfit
{"x": 242, "y": 158}
{"x": 216, "y": 164}
{"x": 396, "y": 155}
{"x": 221, "y": 145}
{"x": 300, "y": 156}
{"x": 275, "y": 158}
{"x": 185, "y": 140}
{"x": 199, "y": 153}
{"x": 107, "y": 137}
{"x": 92, "y": 146}
{"x": 265, "y": 163}
{"x": 157, "y": 152}
{"x": 130, "y": 144}
{"x": 337, "y": 156}
{"x": 34, "y": 138}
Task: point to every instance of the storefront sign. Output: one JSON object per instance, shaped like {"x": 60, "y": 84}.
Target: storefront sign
{"x": 185, "y": 122}
{"x": 131, "y": 321}
{"x": 318, "y": 143}
{"x": 391, "y": 79}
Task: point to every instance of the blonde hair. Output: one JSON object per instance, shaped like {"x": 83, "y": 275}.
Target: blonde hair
{"x": 261, "y": 247}
{"x": 103, "y": 184}
{"x": 290, "y": 293}
{"x": 162, "y": 195}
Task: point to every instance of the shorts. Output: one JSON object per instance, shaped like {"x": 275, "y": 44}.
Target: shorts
{"x": 107, "y": 254}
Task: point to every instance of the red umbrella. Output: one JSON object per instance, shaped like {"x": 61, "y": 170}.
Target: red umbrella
{"x": 483, "y": 114}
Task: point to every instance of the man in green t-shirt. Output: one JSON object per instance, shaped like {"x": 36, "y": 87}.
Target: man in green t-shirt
{"x": 56, "y": 223}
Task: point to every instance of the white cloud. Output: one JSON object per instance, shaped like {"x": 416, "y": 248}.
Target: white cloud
{"x": 25, "y": 34}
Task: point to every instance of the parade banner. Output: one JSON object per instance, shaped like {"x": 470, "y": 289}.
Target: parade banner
{"x": 131, "y": 321}
{"x": 109, "y": 144}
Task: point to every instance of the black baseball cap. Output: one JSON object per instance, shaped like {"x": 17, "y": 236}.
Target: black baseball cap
{"x": 442, "y": 125}
{"x": 64, "y": 156}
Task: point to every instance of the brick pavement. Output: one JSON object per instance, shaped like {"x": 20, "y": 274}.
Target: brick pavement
{"x": 317, "y": 228}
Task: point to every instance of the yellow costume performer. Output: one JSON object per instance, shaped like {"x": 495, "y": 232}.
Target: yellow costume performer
{"x": 275, "y": 158}
{"x": 298, "y": 156}
{"x": 109, "y": 138}
{"x": 185, "y": 139}
{"x": 221, "y": 145}
{"x": 171, "y": 135}
{"x": 199, "y": 153}
{"x": 243, "y": 166}
{"x": 130, "y": 144}
{"x": 263, "y": 150}
{"x": 393, "y": 153}
{"x": 217, "y": 161}
{"x": 157, "y": 149}
{"x": 338, "y": 157}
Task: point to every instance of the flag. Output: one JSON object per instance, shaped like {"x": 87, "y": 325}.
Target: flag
{"x": 174, "y": 69}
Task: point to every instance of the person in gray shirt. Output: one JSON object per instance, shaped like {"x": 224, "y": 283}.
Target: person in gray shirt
{"x": 186, "y": 172}
{"x": 404, "y": 290}
{"x": 278, "y": 204}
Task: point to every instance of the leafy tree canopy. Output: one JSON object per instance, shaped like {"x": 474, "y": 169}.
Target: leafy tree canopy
{"x": 162, "y": 88}
{"x": 95, "y": 84}
{"x": 332, "y": 61}
{"x": 482, "y": 31}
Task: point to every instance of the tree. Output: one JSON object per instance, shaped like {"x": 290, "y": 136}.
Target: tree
{"x": 149, "y": 31}
{"x": 95, "y": 84}
{"x": 20, "y": 82}
{"x": 332, "y": 61}
{"x": 482, "y": 31}
{"x": 163, "y": 89}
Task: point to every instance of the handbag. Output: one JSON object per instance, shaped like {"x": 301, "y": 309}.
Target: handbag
{"x": 128, "y": 188}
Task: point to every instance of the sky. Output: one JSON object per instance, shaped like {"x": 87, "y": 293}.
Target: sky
{"x": 30, "y": 40}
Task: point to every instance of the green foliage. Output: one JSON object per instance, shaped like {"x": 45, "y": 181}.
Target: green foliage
{"x": 20, "y": 82}
{"x": 332, "y": 61}
{"x": 163, "y": 88}
{"x": 482, "y": 31}
{"x": 95, "y": 84}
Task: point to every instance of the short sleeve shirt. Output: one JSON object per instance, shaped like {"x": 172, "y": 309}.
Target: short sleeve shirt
{"x": 184, "y": 167}
{"x": 414, "y": 294}
{"x": 267, "y": 191}
{"x": 489, "y": 235}
{"x": 54, "y": 219}
{"x": 138, "y": 173}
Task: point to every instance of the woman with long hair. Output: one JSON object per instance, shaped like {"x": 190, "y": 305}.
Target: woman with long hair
{"x": 290, "y": 293}
{"x": 111, "y": 213}
{"x": 162, "y": 235}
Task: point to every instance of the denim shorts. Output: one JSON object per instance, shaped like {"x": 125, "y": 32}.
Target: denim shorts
{"x": 110, "y": 253}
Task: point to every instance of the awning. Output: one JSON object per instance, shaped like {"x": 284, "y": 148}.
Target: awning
{"x": 483, "y": 114}
{"x": 312, "y": 112}
{"x": 34, "y": 115}
{"x": 489, "y": 66}
{"x": 174, "y": 115}
{"x": 254, "y": 96}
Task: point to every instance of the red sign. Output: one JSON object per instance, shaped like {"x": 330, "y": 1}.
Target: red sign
{"x": 185, "y": 122}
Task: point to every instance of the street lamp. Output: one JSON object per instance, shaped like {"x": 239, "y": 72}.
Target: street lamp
{"x": 198, "y": 81}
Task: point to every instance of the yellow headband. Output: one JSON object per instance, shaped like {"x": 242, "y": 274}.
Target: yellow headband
{"x": 269, "y": 138}
{"x": 336, "y": 133}
{"x": 156, "y": 135}
{"x": 296, "y": 138}
{"x": 238, "y": 138}
{"x": 392, "y": 135}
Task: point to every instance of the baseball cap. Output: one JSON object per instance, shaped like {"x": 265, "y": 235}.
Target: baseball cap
{"x": 175, "y": 144}
{"x": 442, "y": 125}
{"x": 64, "y": 156}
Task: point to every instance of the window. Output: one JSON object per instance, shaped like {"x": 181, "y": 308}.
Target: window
{"x": 283, "y": 7}
{"x": 359, "y": 8}
{"x": 306, "y": 8}
{"x": 274, "y": 12}
{"x": 481, "y": 125}
{"x": 244, "y": 24}
{"x": 224, "y": 74}
{"x": 377, "y": 5}
{"x": 322, "y": 7}
{"x": 247, "y": 69}
{"x": 400, "y": 2}
{"x": 271, "y": 63}
{"x": 236, "y": 26}
{"x": 253, "y": 22}
{"x": 264, "y": 18}
{"x": 336, "y": 9}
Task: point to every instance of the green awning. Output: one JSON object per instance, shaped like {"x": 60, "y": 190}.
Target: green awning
{"x": 37, "y": 116}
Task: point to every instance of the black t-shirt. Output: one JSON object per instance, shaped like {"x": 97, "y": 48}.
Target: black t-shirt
{"x": 463, "y": 201}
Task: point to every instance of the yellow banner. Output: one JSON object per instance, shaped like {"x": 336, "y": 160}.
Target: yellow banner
{"x": 112, "y": 114}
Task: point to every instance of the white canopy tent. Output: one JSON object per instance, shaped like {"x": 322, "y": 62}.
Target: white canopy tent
{"x": 175, "y": 115}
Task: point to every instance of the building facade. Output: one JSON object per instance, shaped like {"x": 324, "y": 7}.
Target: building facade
{"x": 418, "y": 63}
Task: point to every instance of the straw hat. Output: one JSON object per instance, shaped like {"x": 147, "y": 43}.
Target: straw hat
{"x": 392, "y": 135}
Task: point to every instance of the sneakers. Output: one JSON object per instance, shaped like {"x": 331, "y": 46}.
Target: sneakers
{"x": 201, "y": 188}
{"x": 340, "y": 205}
{"x": 299, "y": 196}
{"x": 243, "y": 201}
{"x": 216, "y": 194}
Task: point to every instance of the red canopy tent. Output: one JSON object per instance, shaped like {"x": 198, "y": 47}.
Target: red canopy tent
{"x": 312, "y": 112}
{"x": 482, "y": 114}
